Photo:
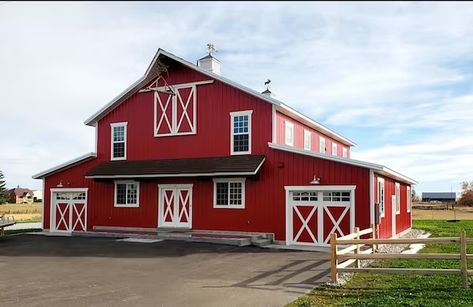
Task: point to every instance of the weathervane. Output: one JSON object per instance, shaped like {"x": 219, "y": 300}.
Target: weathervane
{"x": 211, "y": 48}
{"x": 267, "y": 84}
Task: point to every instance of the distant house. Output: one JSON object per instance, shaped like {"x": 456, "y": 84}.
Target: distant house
{"x": 20, "y": 196}
{"x": 439, "y": 196}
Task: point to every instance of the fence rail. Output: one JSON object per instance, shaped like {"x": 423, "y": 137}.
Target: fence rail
{"x": 4, "y": 222}
{"x": 353, "y": 249}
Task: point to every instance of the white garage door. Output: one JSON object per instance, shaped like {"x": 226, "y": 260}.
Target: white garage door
{"x": 314, "y": 212}
{"x": 68, "y": 210}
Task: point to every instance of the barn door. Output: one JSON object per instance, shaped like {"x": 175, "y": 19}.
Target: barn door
{"x": 175, "y": 113}
{"x": 313, "y": 213}
{"x": 69, "y": 211}
{"x": 175, "y": 205}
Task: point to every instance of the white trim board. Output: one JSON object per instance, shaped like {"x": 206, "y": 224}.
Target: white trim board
{"x": 283, "y": 107}
{"x": 64, "y": 165}
{"x": 379, "y": 169}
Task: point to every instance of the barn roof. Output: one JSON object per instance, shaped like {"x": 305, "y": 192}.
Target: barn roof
{"x": 190, "y": 167}
{"x": 439, "y": 195}
{"x": 21, "y": 191}
{"x": 66, "y": 165}
{"x": 152, "y": 73}
{"x": 378, "y": 168}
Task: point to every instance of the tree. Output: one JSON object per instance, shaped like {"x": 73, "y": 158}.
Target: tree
{"x": 3, "y": 189}
{"x": 415, "y": 196}
{"x": 466, "y": 198}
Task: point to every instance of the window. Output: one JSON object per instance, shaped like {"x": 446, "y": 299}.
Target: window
{"x": 322, "y": 145}
{"x": 409, "y": 199}
{"x": 127, "y": 194}
{"x": 334, "y": 149}
{"x": 118, "y": 141}
{"x": 307, "y": 140}
{"x": 381, "y": 196}
{"x": 229, "y": 193}
{"x": 345, "y": 152}
{"x": 289, "y": 133}
{"x": 398, "y": 198}
{"x": 240, "y": 132}
{"x": 304, "y": 196}
{"x": 336, "y": 196}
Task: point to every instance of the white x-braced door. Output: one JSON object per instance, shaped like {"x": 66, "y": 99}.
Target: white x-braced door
{"x": 175, "y": 205}
{"x": 68, "y": 210}
{"x": 313, "y": 213}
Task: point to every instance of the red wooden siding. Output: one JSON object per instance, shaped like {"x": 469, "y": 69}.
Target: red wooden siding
{"x": 299, "y": 136}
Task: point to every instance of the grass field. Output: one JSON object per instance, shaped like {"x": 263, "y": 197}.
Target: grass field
{"x": 22, "y": 212}
{"x": 403, "y": 290}
{"x": 460, "y": 213}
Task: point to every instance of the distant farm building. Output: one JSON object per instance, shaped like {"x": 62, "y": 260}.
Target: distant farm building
{"x": 439, "y": 196}
{"x": 20, "y": 196}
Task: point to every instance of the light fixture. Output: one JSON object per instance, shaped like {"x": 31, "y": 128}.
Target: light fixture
{"x": 60, "y": 184}
{"x": 316, "y": 180}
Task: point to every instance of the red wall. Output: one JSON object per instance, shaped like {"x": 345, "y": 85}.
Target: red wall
{"x": 299, "y": 136}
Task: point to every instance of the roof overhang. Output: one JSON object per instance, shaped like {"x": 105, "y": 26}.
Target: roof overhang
{"x": 66, "y": 165}
{"x": 146, "y": 78}
{"x": 247, "y": 165}
{"x": 377, "y": 168}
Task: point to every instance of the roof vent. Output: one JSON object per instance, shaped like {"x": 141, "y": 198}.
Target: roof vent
{"x": 208, "y": 62}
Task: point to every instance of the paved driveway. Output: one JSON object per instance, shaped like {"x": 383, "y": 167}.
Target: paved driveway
{"x": 37, "y": 270}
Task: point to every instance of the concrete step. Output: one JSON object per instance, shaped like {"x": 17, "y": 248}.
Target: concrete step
{"x": 262, "y": 242}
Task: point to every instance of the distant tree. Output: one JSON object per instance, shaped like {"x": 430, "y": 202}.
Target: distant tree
{"x": 3, "y": 189}
{"x": 466, "y": 198}
{"x": 415, "y": 196}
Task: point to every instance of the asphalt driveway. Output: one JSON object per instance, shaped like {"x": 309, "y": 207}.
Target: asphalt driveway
{"x": 37, "y": 270}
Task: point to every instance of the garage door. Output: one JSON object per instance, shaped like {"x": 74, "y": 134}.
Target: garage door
{"x": 69, "y": 210}
{"x": 313, "y": 213}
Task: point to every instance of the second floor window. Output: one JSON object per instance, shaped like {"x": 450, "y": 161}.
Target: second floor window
{"x": 381, "y": 196}
{"x": 322, "y": 145}
{"x": 307, "y": 140}
{"x": 118, "y": 141}
{"x": 289, "y": 133}
{"x": 240, "y": 132}
{"x": 334, "y": 149}
{"x": 345, "y": 152}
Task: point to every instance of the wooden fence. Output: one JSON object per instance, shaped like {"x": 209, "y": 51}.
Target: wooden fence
{"x": 353, "y": 249}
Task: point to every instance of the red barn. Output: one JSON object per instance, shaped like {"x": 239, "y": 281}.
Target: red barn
{"x": 184, "y": 147}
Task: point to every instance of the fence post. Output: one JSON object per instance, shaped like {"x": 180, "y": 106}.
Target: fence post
{"x": 357, "y": 250}
{"x": 463, "y": 261}
{"x": 333, "y": 257}
{"x": 374, "y": 247}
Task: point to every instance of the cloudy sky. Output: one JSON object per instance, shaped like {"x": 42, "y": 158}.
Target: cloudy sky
{"x": 397, "y": 78}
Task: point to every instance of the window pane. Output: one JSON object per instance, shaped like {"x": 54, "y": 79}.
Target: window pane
{"x": 235, "y": 193}
{"x": 131, "y": 194}
{"x": 240, "y": 143}
{"x": 119, "y": 134}
{"x": 240, "y": 124}
{"x": 118, "y": 150}
{"x": 121, "y": 194}
{"x": 222, "y": 193}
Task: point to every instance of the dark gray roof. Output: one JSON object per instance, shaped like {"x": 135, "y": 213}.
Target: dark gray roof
{"x": 439, "y": 195}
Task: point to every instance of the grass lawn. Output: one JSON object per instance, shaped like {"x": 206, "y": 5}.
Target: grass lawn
{"x": 403, "y": 290}
{"x": 23, "y": 213}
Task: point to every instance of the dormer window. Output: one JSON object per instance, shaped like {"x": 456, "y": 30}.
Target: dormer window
{"x": 118, "y": 136}
{"x": 240, "y": 132}
{"x": 322, "y": 145}
{"x": 289, "y": 133}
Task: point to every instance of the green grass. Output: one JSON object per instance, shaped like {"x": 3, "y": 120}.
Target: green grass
{"x": 403, "y": 290}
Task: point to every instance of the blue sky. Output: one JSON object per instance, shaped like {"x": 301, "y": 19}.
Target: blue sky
{"x": 394, "y": 77}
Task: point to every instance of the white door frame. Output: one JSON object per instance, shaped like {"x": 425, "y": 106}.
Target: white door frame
{"x": 175, "y": 213}
{"x": 320, "y": 209}
{"x": 52, "y": 208}
{"x": 393, "y": 214}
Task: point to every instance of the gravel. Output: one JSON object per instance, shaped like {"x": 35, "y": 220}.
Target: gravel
{"x": 383, "y": 248}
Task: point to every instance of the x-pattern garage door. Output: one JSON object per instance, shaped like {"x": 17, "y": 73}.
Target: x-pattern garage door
{"x": 313, "y": 213}
{"x": 69, "y": 210}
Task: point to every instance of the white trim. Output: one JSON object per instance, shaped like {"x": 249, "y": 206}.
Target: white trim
{"x": 64, "y": 165}
{"x": 175, "y": 86}
{"x": 273, "y": 124}
{"x": 335, "y": 188}
{"x": 381, "y": 180}
{"x": 397, "y": 191}
{"x": 126, "y": 182}
{"x": 290, "y": 126}
{"x": 344, "y": 152}
{"x": 232, "y": 135}
{"x": 311, "y": 123}
{"x": 334, "y": 147}
{"x": 182, "y": 175}
{"x": 229, "y": 180}
{"x": 175, "y": 218}
{"x": 42, "y": 203}
{"x": 112, "y": 142}
{"x": 408, "y": 199}
{"x": 65, "y": 190}
{"x": 405, "y": 231}
{"x": 372, "y": 197}
{"x": 381, "y": 169}
{"x": 322, "y": 149}
{"x": 393, "y": 216}
{"x": 307, "y": 140}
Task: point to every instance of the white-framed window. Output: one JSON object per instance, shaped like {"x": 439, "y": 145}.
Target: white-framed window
{"x": 307, "y": 140}
{"x": 381, "y": 196}
{"x": 229, "y": 193}
{"x": 334, "y": 149}
{"x": 322, "y": 145}
{"x": 289, "y": 133}
{"x": 240, "y": 140}
{"x": 345, "y": 152}
{"x": 127, "y": 193}
{"x": 398, "y": 198}
{"x": 118, "y": 141}
{"x": 409, "y": 199}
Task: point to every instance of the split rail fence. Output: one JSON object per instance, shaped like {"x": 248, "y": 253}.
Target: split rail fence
{"x": 348, "y": 250}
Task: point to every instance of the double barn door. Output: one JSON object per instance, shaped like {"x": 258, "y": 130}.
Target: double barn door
{"x": 69, "y": 210}
{"x": 175, "y": 205}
